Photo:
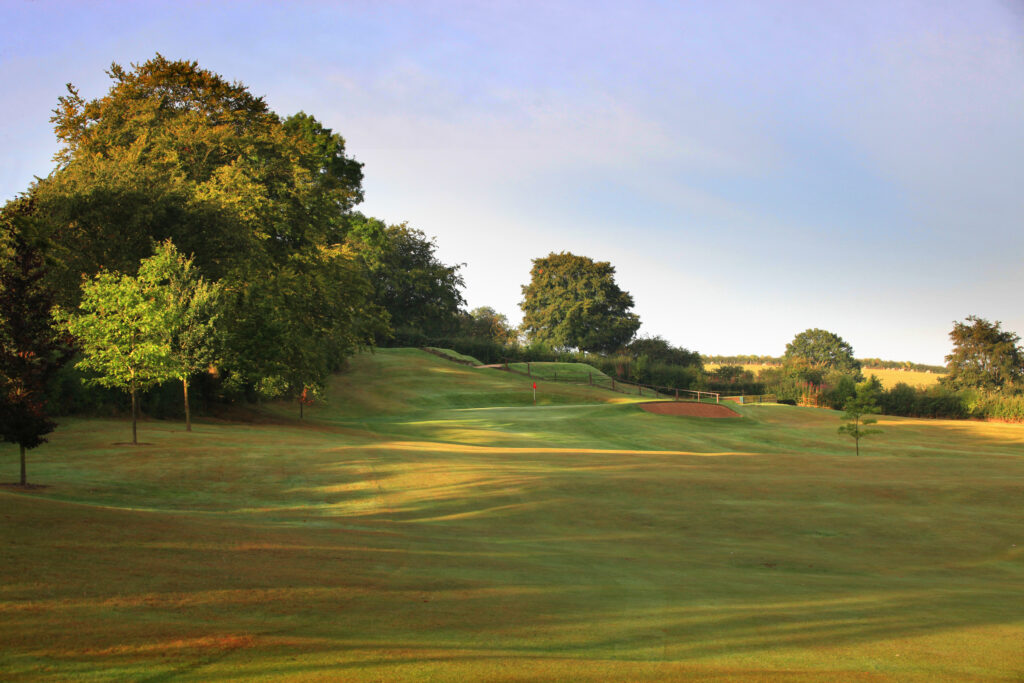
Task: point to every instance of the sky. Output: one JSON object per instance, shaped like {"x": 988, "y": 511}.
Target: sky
{"x": 751, "y": 169}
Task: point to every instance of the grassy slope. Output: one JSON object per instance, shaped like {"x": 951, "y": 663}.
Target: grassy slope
{"x": 429, "y": 523}
{"x": 564, "y": 371}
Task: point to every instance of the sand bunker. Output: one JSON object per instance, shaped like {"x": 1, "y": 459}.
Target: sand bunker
{"x": 689, "y": 409}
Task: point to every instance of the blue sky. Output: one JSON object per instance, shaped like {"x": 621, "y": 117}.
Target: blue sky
{"x": 752, "y": 169}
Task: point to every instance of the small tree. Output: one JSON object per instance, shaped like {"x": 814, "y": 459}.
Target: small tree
{"x": 192, "y": 307}
{"x": 857, "y": 412}
{"x": 30, "y": 350}
{"x": 123, "y": 327}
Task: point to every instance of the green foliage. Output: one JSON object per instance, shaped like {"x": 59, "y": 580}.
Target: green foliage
{"x": 984, "y": 357}
{"x": 294, "y": 326}
{"x": 857, "y": 412}
{"x": 175, "y": 152}
{"x": 123, "y": 327}
{"x": 420, "y": 294}
{"x": 574, "y": 302}
{"x": 193, "y": 305}
{"x": 486, "y": 323}
{"x": 658, "y": 350}
{"x": 820, "y": 351}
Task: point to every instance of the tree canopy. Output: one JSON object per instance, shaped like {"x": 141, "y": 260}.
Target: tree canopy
{"x": 261, "y": 204}
{"x": 487, "y": 324}
{"x": 658, "y": 350}
{"x": 420, "y": 294}
{"x": 573, "y": 302}
{"x": 821, "y": 351}
{"x": 984, "y": 356}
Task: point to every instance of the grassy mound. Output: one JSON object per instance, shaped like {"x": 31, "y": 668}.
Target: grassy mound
{"x": 428, "y": 522}
{"x": 454, "y": 355}
{"x": 578, "y": 372}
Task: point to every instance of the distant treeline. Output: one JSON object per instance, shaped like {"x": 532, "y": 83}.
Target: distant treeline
{"x": 867, "y": 363}
{"x": 902, "y": 400}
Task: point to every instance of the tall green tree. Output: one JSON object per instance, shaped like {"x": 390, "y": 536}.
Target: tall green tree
{"x": 192, "y": 304}
{"x": 123, "y": 327}
{"x": 174, "y": 151}
{"x": 984, "y": 356}
{"x": 573, "y": 302}
{"x": 31, "y": 350}
{"x": 820, "y": 351}
{"x": 421, "y": 294}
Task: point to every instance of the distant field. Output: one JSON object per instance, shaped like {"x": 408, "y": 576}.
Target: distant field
{"x": 889, "y": 378}
{"x": 428, "y": 522}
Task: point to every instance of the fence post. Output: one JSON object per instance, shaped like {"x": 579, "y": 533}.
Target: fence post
{"x": 613, "y": 384}
{"x": 528, "y": 372}
{"x": 677, "y": 394}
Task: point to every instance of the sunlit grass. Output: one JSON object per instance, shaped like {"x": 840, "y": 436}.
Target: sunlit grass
{"x": 429, "y": 522}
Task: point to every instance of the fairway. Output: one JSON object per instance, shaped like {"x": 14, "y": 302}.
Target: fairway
{"x": 427, "y": 521}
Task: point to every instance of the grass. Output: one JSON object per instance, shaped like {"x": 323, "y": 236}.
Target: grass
{"x": 429, "y": 523}
{"x": 888, "y": 377}
{"x": 455, "y": 355}
{"x": 581, "y": 372}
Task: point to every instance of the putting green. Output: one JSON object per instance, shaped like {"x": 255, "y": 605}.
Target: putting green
{"x": 428, "y": 522}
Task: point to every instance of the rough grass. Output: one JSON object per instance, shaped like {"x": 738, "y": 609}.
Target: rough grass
{"x": 429, "y": 523}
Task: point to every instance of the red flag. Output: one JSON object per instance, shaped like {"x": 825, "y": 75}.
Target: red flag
{"x": 534, "y": 385}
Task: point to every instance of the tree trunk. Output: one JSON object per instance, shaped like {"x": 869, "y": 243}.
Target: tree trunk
{"x": 135, "y": 415}
{"x": 188, "y": 415}
{"x": 300, "y": 408}
{"x": 24, "y": 480}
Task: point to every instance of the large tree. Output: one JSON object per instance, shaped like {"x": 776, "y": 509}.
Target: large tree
{"x": 821, "y": 352}
{"x": 573, "y": 302}
{"x": 419, "y": 292}
{"x": 31, "y": 351}
{"x": 177, "y": 152}
{"x": 984, "y": 356}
